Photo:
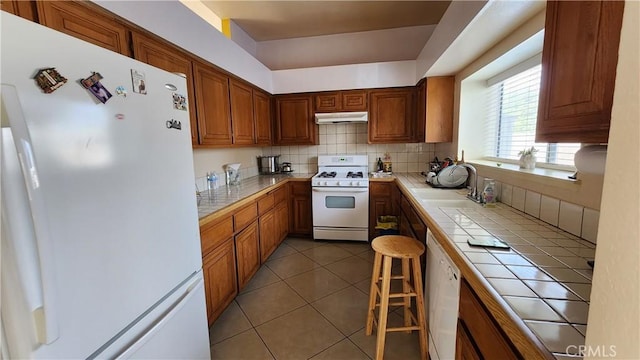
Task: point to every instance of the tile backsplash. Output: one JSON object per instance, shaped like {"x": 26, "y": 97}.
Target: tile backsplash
{"x": 574, "y": 219}
{"x": 352, "y": 139}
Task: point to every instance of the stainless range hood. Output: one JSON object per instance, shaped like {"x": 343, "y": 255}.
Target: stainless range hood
{"x": 342, "y": 117}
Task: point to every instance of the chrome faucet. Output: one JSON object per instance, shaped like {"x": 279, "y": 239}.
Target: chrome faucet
{"x": 473, "y": 191}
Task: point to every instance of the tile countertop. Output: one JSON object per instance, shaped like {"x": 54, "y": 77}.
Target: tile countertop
{"x": 543, "y": 281}
{"x": 226, "y": 195}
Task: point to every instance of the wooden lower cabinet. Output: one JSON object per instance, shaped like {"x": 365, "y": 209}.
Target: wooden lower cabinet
{"x": 221, "y": 283}
{"x": 465, "y": 349}
{"x": 268, "y": 239}
{"x": 247, "y": 254}
{"x": 482, "y": 337}
{"x": 380, "y": 203}
{"x": 301, "y": 221}
{"x": 282, "y": 221}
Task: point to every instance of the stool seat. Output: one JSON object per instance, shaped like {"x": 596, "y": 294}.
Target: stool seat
{"x": 408, "y": 251}
{"x": 397, "y": 246}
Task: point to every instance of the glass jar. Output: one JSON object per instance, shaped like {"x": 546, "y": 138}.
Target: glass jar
{"x": 488, "y": 193}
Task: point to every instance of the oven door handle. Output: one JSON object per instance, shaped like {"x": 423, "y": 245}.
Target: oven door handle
{"x": 339, "y": 189}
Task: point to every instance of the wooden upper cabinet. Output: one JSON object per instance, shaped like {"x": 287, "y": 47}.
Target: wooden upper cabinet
{"x": 241, "y": 98}
{"x": 391, "y": 115}
{"x": 336, "y": 101}
{"x": 434, "y": 111}
{"x": 80, "y": 21}
{"x": 294, "y": 124}
{"x": 579, "y": 62}
{"x": 24, "y": 9}
{"x": 262, "y": 116}
{"x": 165, "y": 57}
{"x": 354, "y": 100}
{"x": 328, "y": 101}
{"x": 212, "y": 104}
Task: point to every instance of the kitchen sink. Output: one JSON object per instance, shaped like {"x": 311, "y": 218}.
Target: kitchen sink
{"x": 461, "y": 203}
{"x": 438, "y": 194}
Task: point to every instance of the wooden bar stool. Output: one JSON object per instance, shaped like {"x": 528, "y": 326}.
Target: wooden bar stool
{"x": 407, "y": 249}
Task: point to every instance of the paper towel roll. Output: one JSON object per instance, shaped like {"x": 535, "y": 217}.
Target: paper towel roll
{"x": 591, "y": 159}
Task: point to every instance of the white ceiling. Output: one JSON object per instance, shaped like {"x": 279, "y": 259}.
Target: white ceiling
{"x": 301, "y": 34}
{"x": 276, "y": 20}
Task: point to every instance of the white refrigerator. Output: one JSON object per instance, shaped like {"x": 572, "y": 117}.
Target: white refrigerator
{"x": 100, "y": 242}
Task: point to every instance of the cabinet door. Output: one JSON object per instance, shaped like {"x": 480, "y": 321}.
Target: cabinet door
{"x": 579, "y": 62}
{"x": 380, "y": 203}
{"x": 22, "y": 8}
{"x": 262, "y": 116}
{"x": 80, "y": 21}
{"x": 241, "y": 97}
{"x": 247, "y": 254}
{"x": 168, "y": 58}
{"x": 354, "y": 100}
{"x": 221, "y": 285}
{"x": 465, "y": 348}
{"x": 301, "y": 221}
{"x": 268, "y": 235}
{"x": 482, "y": 330}
{"x": 294, "y": 121}
{"x": 282, "y": 221}
{"x": 328, "y": 101}
{"x": 391, "y": 116}
{"x": 212, "y": 103}
{"x": 435, "y": 110}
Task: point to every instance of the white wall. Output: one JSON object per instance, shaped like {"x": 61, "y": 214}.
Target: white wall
{"x": 174, "y": 22}
{"x": 207, "y": 160}
{"x": 243, "y": 39}
{"x": 614, "y": 313}
{"x": 458, "y": 15}
{"x": 342, "y": 77}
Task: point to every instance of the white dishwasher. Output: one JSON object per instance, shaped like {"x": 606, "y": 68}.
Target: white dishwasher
{"x": 442, "y": 296}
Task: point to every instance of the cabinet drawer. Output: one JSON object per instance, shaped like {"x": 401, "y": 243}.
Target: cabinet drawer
{"x": 486, "y": 335}
{"x": 354, "y": 100}
{"x": 244, "y": 216}
{"x": 380, "y": 189}
{"x": 280, "y": 194}
{"x": 265, "y": 203}
{"x": 213, "y": 234}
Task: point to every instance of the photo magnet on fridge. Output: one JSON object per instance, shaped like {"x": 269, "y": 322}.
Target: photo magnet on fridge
{"x": 92, "y": 83}
{"x": 179, "y": 102}
{"x": 138, "y": 82}
{"x": 49, "y": 80}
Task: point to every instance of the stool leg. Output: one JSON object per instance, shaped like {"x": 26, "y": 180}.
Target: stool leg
{"x": 422, "y": 322}
{"x": 384, "y": 307}
{"x": 406, "y": 288}
{"x": 377, "y": 261}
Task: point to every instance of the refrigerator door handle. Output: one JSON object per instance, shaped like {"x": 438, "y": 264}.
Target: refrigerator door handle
{"x": 162, "y": 321}
{"x": 44, "y": 316}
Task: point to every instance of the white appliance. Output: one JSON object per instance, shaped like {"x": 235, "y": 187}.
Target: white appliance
{"x": 342, "y": 117}
{"x": 340, "y": 198}
{"x": 100, "y": 242}
{"x": 442, "y": 294}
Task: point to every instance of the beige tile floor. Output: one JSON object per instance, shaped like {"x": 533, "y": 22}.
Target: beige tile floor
{"x": 309, "y": 301}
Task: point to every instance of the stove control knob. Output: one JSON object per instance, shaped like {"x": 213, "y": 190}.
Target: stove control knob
{"x": 337, "y": 183}
{"x": 358, "y": 183}
{"x": 354, "y": 183}
{"x": 325, "y": 183}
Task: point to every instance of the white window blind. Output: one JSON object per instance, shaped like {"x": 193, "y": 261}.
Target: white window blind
{"x": 512, "y": 113}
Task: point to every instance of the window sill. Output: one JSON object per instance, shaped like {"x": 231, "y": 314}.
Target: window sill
{"x": 512, "y": 173}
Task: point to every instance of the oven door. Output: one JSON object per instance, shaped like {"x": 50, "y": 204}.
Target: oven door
{"x": 340, "y": 213}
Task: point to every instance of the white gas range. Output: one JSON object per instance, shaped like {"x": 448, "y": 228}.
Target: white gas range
{"x": 340, "y": 198}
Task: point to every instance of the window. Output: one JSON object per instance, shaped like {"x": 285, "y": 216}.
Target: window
{"x": 513, "y": 110}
